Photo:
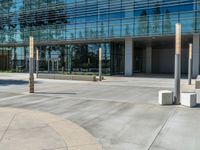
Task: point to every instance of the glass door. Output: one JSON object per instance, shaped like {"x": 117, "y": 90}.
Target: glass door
{"x": 117, "y": 59}
{"x": 138, "y": 60}
{"x": 4, "y": 59}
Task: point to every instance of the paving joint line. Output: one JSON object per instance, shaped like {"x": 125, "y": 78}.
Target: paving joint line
{"x": 61, "y": 136}
{"x": 170, "y": 115}
{"x": 54, "y": 148}
{"x": 7, "y": 128}
{"x": 84, "y": 145}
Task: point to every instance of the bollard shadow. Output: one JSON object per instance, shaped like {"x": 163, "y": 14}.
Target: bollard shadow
{"x": 56, "y": 93}
{"x": 5, "y": 82}
{"x": 155, "y": 75}
{"x": 197, "y": 106}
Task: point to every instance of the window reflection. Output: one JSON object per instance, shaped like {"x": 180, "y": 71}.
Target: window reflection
{"x": 80, "y": 19}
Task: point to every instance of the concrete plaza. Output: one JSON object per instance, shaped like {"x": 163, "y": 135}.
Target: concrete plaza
{"x": 121, "y": 113}
{"x": 32, "y": 130}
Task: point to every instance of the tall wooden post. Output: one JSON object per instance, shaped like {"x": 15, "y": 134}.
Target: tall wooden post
{"x": 31, "y": 59}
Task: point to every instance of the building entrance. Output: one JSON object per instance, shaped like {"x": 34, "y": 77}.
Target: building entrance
{"x": 53, "y": 64}
{"x": 138, "y": 60}
{"x": 4, "y": 59}
{"x": 117, "y": 59}
{"x": 3, "y": 62}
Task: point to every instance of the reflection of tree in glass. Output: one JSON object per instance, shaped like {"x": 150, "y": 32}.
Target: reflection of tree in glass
{"x": 167, "y": 22}
{"x": 62, "y": 57}
{"x": 60, "y": 31}
{"x": 72, "y": 35}
{"x": 7, "y": 21}
{"x": 79, "y": 56}
{"x": 127, "y": 30}
{"x": 112, "y": 31}
{"x": 37, "y": 18}
{"x": 102, "y": 32}
{"x": 14, "y": 65}
{"x": 143, "y": 23}
{"x": 69, "y": 50}
{"x": 43, "y": 60}
{"x": 156, "y": 19}
{"x": 86, "y": 32}
{"x": 93, "y": 55}
{"x": 8, "y": 26}
{"x": 105, "y": 60}
{"x": 91, "y": 33}
{"x": 42, "y": 52}
{"x": 197, "y": 24}
{"x": 80, "y": 35}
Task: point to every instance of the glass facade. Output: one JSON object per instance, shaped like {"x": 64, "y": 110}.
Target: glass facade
{"x": 53, "y": 20}
{"x": 71, "y": 21}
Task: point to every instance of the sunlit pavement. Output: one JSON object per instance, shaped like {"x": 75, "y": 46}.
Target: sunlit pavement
{"x": 121, "y": 113}
{"x": 22, "y": 129}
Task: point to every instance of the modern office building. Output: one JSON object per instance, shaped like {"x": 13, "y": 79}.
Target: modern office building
{"x": 135, "y": 35}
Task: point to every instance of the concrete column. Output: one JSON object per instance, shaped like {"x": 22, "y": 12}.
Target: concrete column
{"x": 129, "y": 56}
{"x": 148, "y": 58}
{"x": 195, "y": 63}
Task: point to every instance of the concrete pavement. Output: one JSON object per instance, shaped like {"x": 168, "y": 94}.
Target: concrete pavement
{"x": 122, "y": 113}
{"x": 32, "y": 130}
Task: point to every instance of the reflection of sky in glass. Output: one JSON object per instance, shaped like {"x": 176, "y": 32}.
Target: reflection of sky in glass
{"x": 80, "y": 19}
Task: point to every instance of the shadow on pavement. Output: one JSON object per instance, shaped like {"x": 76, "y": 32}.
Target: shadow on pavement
{"x": 164, "y": 76}
{"x": 197, "y": 106}
{"x": 12, "y": 82}
{"x": 153, "y": 75}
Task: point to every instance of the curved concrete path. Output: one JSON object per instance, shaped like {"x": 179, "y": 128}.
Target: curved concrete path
{"x": 31, "y": 130}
